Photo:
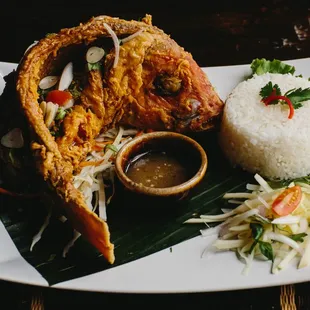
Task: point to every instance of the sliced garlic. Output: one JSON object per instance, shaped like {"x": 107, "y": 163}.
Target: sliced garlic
{"x": 48, "y": 81}
{"x": 94, "y": 54}
{"x": 43, "y": 107}
{"x": 13, "y": 139}
{"x": 51, "y": 111}
{"x": 66, "y": 77}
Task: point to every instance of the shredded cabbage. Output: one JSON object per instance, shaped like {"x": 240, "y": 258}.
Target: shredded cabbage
{"x": 92, "y": 179}
{"x": 254, "y": 231}
{"x": 38, "y": 235}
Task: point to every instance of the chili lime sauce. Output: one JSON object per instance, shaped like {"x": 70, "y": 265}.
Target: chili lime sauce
{"x": 157, "y": 169}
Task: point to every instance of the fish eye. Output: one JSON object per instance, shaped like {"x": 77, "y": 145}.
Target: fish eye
{"x": 166, "y": 85}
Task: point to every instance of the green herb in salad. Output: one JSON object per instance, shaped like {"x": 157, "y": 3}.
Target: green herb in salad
{"x": 281, "y": 238}
{"x": 111, "y": 147}
{"x": 298, "y": 237}
{"x": 75, "y": 89}
{"x": 257, "y": 232}
{"x": 266, "y": 250}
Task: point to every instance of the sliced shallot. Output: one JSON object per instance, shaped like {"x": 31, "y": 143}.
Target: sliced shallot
{"x": 132, "y": 36}
{"x": 13, "y": 139}
{"x": 287, "y": 220}
{"x": 66, "y": 77}
{"x": 94, "y": 54}
{"x": 69, "y": 104}
{"x": 43, "y": 107}
{"x": 48, "y": 81}
{"x": 303, "y": 225}
{"x": 284, "y": 239}
{"x": 115, "y": 41}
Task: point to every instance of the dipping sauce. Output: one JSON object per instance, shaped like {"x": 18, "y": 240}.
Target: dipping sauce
{"x": 157, "y": 169}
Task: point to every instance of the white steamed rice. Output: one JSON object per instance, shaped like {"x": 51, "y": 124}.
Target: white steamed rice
{"x": 261, "y": 139}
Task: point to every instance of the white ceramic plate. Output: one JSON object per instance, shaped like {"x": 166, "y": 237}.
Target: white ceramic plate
{"x": 181, "y": 270}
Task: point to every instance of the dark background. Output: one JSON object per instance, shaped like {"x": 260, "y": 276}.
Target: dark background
{"x": 216, "y": 33}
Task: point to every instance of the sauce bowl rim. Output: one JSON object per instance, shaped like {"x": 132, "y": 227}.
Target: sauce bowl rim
{"x": 161, "y": 191}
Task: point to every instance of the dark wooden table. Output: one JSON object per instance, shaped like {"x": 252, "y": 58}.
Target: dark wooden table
{"x": 216, "y": 33}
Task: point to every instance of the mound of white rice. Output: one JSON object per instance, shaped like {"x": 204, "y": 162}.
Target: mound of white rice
{"x": 262, "y": 139}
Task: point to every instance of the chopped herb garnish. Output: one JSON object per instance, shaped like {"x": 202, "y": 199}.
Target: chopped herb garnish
{"x": 95, "y": 66}
{"x": 257, "y": 230}
{"x": 285, "y": 183}
{"x": 61, "y": 113}
{"x": 269, "y": 90}
{"x": 298, "y": 237}
{"x": 111, "y": 147}
{"x": 75, "y": 90}
{"x": 305, "y": 179}
{"x": 42, "y": 93}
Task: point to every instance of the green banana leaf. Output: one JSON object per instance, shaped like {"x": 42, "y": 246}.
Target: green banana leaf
{"x": 139, "y": 226}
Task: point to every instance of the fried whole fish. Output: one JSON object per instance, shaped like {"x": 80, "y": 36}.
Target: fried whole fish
{"x": 145, "y": 80}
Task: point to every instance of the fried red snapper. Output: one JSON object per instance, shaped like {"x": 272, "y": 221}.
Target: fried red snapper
{"x": 146, "y": 82}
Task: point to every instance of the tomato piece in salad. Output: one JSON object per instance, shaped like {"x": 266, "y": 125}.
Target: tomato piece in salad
{"x": 59, "y": 97}
{"x": 287, "y": 201}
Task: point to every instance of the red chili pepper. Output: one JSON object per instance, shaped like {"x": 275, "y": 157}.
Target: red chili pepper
{"x": 273, "y": 97}
{"x": 272, "y": 94}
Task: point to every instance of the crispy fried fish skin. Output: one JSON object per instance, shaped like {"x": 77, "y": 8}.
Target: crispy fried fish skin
{"x": 156, "y": 84}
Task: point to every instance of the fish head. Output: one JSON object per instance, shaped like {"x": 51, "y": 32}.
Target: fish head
{"x": 177, "y": 88}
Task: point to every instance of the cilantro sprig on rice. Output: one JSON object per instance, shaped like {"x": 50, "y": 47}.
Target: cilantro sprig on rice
{"x": 271, "y": 94}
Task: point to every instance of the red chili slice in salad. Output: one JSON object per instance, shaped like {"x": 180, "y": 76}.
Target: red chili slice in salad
{"x": 287, "y": 201}
{"x": 60, "y": 97}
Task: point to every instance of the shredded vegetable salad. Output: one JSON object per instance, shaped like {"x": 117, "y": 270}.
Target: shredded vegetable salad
{"x": 267, "y": 224}
{"x": 96, "y": 174}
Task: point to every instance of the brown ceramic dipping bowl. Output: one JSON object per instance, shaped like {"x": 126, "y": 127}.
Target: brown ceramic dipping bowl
{"x": 189, "y": 152}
